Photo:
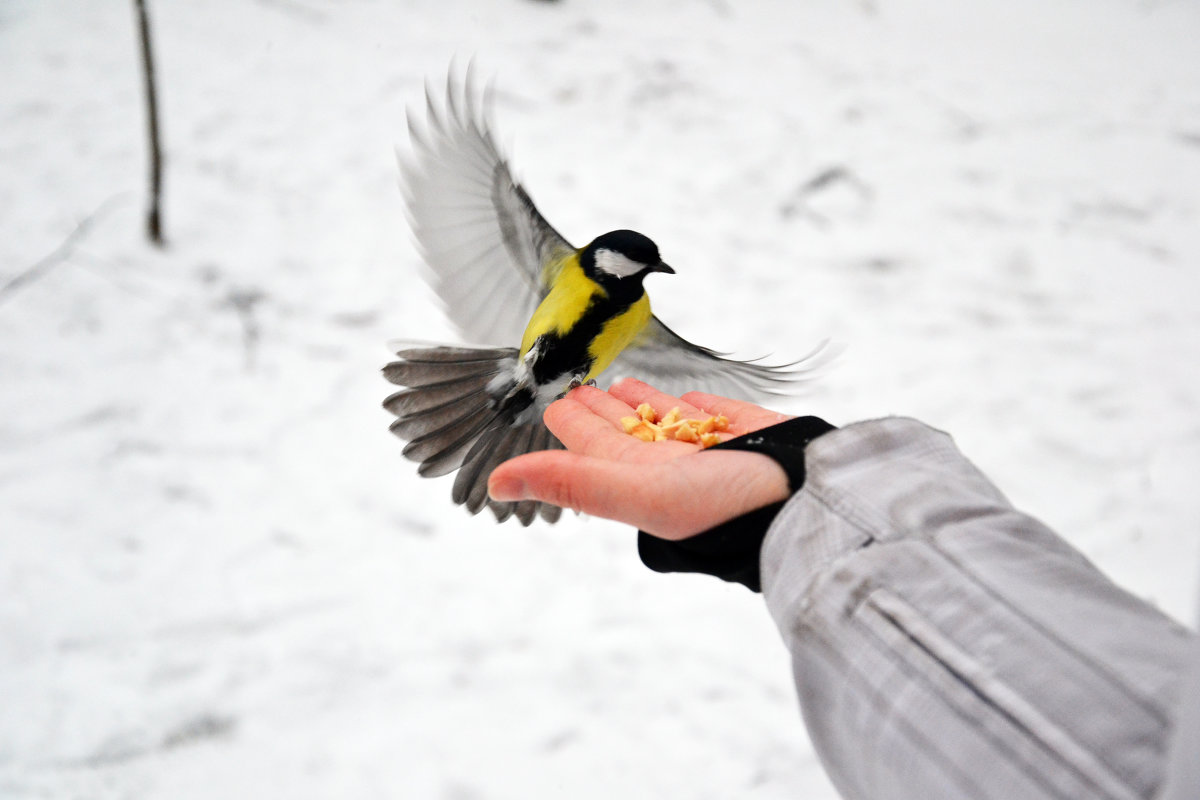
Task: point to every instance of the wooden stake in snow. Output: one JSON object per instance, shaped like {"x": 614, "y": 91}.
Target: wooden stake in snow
{"x": 154, "y": 213}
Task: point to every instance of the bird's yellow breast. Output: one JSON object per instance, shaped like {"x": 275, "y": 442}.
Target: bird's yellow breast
{"x": 617, "y": 334}
{"x": 562, "y": 307}
{"x": 570, "y": 309}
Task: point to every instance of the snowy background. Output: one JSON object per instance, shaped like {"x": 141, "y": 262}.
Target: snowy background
{"x": 218, "y": 577}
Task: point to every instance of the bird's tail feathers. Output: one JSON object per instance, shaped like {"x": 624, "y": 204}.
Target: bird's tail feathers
{"x": 492, "y": 449}
{"x": 452, "y": 416}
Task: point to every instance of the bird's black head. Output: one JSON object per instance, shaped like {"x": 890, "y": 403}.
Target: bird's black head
{"x": 621, "y": 255}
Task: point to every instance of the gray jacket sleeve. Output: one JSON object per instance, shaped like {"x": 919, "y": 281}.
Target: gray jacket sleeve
{"x": 946, "y": 645}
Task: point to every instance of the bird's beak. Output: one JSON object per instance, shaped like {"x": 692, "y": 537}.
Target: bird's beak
{"x": 663, "y": 267}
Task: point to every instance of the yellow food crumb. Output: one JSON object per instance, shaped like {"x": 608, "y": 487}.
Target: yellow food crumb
{"x": 644, "y": 433}
{"x": 649, "y": 427}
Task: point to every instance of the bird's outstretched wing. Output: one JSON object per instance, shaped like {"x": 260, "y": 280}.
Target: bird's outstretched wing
{"x": 492, "y": 255}
{"x": 671, "y": 363}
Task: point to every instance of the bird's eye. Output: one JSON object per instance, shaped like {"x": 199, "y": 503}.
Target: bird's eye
{"x": 618, "y": 265}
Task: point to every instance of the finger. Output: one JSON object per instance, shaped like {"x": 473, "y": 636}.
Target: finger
{"x": 634, "y": 392}
{"x": 582, "y": 430}
{"x": 603, "y": 404}
{"x": 743, "y": 416}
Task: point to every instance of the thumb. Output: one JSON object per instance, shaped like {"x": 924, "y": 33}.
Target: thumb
{"x": 670, "y": 499}
{"x": 612, "y": 489}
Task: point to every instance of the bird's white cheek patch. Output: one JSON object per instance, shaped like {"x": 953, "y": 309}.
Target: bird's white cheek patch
{"x": 617, "y": 264}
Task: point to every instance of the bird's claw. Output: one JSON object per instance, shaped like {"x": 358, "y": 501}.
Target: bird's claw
{"x": 575, "y": 383}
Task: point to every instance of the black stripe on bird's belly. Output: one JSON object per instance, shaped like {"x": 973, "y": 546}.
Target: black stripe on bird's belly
{"x": 566, "y": 355}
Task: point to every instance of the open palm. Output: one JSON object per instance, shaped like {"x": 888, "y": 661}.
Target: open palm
{"x": 670, "y": 489}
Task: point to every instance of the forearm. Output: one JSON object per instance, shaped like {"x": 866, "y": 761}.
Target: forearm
{"x": 946, "y": 645}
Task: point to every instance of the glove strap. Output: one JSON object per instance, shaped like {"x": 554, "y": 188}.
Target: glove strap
{"x": 730, "y": 550}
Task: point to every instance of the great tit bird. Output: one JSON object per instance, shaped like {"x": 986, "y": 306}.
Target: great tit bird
{"x": 506, "y": 276}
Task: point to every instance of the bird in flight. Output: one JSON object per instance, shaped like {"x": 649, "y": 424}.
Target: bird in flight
{"x": 542, "y": 315}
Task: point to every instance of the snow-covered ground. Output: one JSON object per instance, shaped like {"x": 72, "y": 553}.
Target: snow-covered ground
{"x": 218, "y": 578}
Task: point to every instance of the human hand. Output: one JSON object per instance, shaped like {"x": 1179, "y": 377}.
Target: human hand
{"x": 669, "y": 489}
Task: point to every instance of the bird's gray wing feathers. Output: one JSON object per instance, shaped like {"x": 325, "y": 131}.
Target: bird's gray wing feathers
{"x": 663, "y": 358}
{"x": 491, "y": 254}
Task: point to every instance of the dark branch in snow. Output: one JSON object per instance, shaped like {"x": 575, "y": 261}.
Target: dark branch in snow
{"x": 154, "y": 212}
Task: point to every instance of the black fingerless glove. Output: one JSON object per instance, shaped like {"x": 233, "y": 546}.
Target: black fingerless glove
{"x": 730, "y": 550}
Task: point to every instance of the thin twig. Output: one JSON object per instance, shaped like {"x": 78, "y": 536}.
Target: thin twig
{"x": 60, "y": 254}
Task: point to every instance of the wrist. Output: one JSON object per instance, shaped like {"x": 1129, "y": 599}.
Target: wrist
{"x": 754, "y": 480}
{"x": 730, "y": 550}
